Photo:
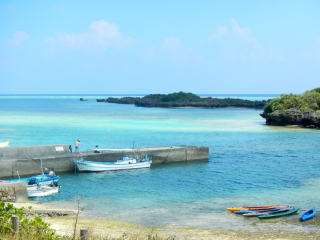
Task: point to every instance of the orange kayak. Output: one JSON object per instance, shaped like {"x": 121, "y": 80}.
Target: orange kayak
{"x": 253, "y": 208}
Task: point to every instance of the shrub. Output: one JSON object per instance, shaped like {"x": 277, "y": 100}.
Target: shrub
{"x": 29, "y": 226}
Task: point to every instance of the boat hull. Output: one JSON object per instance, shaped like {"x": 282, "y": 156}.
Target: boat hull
{"x": 89, "y": 166}
{"x": 43, "y": 179}
{"x": 279, "y": 214}
{"x": 233, "y": 209}
{"x": 4, "y": 144}
{"x": 308, "y": 215}
{"x": 259, "y": 213}
{"x": 42, "y": 191}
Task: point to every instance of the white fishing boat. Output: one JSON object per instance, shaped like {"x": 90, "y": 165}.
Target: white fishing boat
{"x": 4, "y": 144}
{"x": 42, "y": 190}
{"x": 126, "y": 163}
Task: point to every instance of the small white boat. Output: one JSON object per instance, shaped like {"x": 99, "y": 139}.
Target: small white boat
{"x": 125, "y": 163}
{"x": 42, "y": 190}
{"x": 4, "y": 144}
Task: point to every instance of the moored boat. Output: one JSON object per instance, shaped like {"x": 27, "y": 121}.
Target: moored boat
{"x": 43, "y": 179}
{"x": 42, "y": 190}
{"x": 308, "y": 215}
{"x": 126, "y": 163}
{"x": 4, "y": 144}
{"x": 279, "y": 214}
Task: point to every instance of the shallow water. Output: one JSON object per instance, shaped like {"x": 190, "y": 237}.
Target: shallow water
{"x": 250, "y": 163}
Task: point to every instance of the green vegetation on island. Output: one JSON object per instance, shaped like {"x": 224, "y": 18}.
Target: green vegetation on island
{"x": 292, "y": 109}
{"x": 182, "y": 99}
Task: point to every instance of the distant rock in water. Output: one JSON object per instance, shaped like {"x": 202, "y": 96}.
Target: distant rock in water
{"x": 182, "y": 99}
{"x": 303, "y": 110}
{"x": 83, "y": 100}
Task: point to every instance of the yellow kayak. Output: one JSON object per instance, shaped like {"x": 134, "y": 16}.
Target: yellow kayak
{"x": 4, "y": 144}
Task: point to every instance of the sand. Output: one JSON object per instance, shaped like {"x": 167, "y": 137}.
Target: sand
{"x": 63, "y": 221}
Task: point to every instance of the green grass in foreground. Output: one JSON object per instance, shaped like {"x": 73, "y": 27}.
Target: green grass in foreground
{"x": 35, "y": 228}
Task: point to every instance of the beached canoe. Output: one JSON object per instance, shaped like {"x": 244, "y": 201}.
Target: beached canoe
{"x": 259, "y": 213}
{"x": 258, "y": 210}
{"x": 233, "y": 209}
{"x": 279, "y": 214}
{"x": 308, "y": 214}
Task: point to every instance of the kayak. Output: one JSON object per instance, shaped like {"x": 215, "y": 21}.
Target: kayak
{"x": 259, "y": 213}
{"x": 259, "y": 210}
{"x": 233, "y": 209}
{"x": 279, "y": 214}
{"x": 308, "y": 215}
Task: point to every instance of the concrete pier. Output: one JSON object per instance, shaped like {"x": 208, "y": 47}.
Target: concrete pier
{"x": 29, "y": 160}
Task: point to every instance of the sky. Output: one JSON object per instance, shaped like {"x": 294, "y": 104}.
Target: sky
{"x": 135, "y": 47}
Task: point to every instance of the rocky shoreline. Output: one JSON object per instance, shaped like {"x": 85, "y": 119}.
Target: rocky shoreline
{"x": 291, "y": 109}
{"x": 292, "y": 117}
{"x": 184, "y": 100}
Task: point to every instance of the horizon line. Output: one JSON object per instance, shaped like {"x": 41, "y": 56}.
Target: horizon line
{"x": 132, "y": 94}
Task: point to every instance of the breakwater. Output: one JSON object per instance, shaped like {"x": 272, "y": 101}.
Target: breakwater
{"x": 29, "y": 160}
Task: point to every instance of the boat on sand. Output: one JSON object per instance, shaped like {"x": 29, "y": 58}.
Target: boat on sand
{"x": 308, "y": 215}
{"x": 233, "y": 209}
{"x": 259, "y": 213}
{"x": 279, "y": 214}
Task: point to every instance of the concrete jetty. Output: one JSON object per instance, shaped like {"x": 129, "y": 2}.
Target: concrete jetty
{"x": 28, "y": 160}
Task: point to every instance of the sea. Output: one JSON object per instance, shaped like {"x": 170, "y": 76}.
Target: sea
{"x": 250, "y": 163}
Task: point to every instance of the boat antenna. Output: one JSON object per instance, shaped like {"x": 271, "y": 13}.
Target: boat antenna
{"x": 18, "y": 174}
{"x": 41, "y": 166}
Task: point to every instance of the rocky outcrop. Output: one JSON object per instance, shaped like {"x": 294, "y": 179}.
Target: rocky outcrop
{"x": 13, "y": 192}
{"x": 124, "y": 100}
{"x": 184, "y": 100}
{"x": 293, "y": 117}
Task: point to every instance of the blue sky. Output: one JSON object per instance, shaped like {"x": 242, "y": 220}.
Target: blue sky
{"x": 55, "y": 46}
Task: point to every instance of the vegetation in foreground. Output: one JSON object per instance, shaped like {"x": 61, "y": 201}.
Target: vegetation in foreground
{"x": 32, "y": 227}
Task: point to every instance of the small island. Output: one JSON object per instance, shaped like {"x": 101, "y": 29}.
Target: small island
{"x": 302, "y": 110}
{"x": 185, "y": 100}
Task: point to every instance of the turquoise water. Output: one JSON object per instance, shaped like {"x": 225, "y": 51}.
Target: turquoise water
{"x": 250, "y": 163}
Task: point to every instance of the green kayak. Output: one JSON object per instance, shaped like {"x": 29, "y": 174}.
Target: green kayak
{"x": 279, "y": 214}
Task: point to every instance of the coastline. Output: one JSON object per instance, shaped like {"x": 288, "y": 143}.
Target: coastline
{"x": 62, "y": 220}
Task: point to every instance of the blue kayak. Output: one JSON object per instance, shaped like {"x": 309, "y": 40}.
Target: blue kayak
{"x": 308, "y": 214}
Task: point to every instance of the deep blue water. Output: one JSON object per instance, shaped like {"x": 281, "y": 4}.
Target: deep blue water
{"x": 250, "y": 163}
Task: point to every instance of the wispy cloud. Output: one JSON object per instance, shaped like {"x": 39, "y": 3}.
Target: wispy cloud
{"x": 220, "y": 32}
{"x": 171, "y": 43}
{"x": 233, "y": 29}
{"x": 240, "y": 32}
{"x": 18, "y": 38}
{"x": 101, "y": 34}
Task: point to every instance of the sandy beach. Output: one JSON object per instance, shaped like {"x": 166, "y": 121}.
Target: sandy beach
{"x": 63, "y": 221}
